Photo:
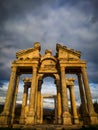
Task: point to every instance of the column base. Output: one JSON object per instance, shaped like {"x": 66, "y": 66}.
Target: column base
{"x": 5, "y": 120}
{"x": 22, "y": 120}
{"x": 59, "y": 120}
{"x": 76, "y": 120}
{"x": 90, "y": 119}
{"x": 38, "y": 121}
{"x": 86, "y": 119}
{"x": 93, "y": 119}
{"x": 66, "y": 118}
{"x": 30, "y": 120}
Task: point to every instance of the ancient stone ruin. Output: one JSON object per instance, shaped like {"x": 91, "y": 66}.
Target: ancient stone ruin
{"x": 66, "y": 61}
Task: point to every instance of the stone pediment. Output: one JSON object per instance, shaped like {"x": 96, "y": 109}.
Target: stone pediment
{"x": 30, "y": 53}
{"x": 67, "y": 53}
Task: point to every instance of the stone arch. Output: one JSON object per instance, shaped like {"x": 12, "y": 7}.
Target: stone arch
{"x": 55, "y": 76}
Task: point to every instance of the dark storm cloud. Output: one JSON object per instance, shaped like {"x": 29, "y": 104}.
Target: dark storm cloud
{"x": 73, "y": 23}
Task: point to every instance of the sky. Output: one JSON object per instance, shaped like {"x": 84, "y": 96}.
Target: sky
{"x": 72, "y": 23}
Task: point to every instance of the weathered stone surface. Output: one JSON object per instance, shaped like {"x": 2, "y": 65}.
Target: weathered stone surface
{"x": 66, "y": 61}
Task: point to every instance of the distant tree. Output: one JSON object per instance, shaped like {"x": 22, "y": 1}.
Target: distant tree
{"x": 95, "y": 106}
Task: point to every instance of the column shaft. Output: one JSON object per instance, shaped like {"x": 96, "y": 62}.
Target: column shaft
{"x": 6, "y": 114}
{"x": 82, "y": 95}
{"x": 24, "y": 103}
{"x": 59, "y": 110}
{"x": 15, "y": 98}
{"x": 39, "y": 102}
{"x": 87, "y": 91}
{"x": 73, "y": 105}
{"x": 66, "y": 116}
{"x": 92, "y": 115}
{"x": 36, "y": 99}
{"x": 55, "y": 102}
{"x": 31, "y": 114}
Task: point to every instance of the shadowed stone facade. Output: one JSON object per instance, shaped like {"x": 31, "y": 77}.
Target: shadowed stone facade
{"x": 66, "y": 61}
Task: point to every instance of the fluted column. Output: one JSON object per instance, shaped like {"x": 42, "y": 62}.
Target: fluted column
{"x": 59, "y": 110}
{"x": 92, "y": 114}
{"x": 73, "y": 105}
{"x": 87, "y": 91}
{"x": 55, "y": 105}
{"x": 83, "y": 99}
{"x": 31, "y": 114}
{"x": 39, "y": 101}
{"x": 6, "y": 115}
{"x": 24, "y": 103}
{"x": 15, "y": 98}
{"x": 42, "y": 100}
{"x": 36, "y": 99}
{"x": 65, "y": 110}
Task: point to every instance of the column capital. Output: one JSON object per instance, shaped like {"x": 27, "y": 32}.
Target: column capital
{"x": 78, "y": 74}
{"x": 34, "y": 67}
{"x": 27, "y": 84}
{"x": 70, "y": 86}
{"x": 57, "y": 82}
{"x": 14, "y": 68}
{"x": 83, "y": 68}
{"x": 40, "y": 81}
{"x": 62, "y": 68}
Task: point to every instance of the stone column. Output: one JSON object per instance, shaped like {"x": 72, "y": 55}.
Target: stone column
{"x": 59, "y": 110}
{"x": 65, "y": 110}
{"x": 83, "y": 100}
{"x": 15, "y": 98}
{"x": 92, "y": 114}
{"x": 5, "y": 118}
{"x": 55, "y": 102}
{"x": 39, "y": 101}
{"x": 31, "y": 114}
{"x": 42, "y": 100}
{"x": 73, "y": 105}
{"x": 36, "y": 99}
{"x": 24, "y": 103}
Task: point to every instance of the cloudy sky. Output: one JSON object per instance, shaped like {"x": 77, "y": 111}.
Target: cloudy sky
{"x": 73, "y": 23}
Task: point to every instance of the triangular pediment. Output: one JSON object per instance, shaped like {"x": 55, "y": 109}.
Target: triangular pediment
{"x": 29, "y": 53}
{"x": 67, "y": 53}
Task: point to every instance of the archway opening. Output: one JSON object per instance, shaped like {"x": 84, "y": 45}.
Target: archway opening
{"x": 49, "y": 93}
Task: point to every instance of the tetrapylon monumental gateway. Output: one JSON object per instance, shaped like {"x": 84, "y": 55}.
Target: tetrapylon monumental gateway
{"x": 66, "y": 61}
